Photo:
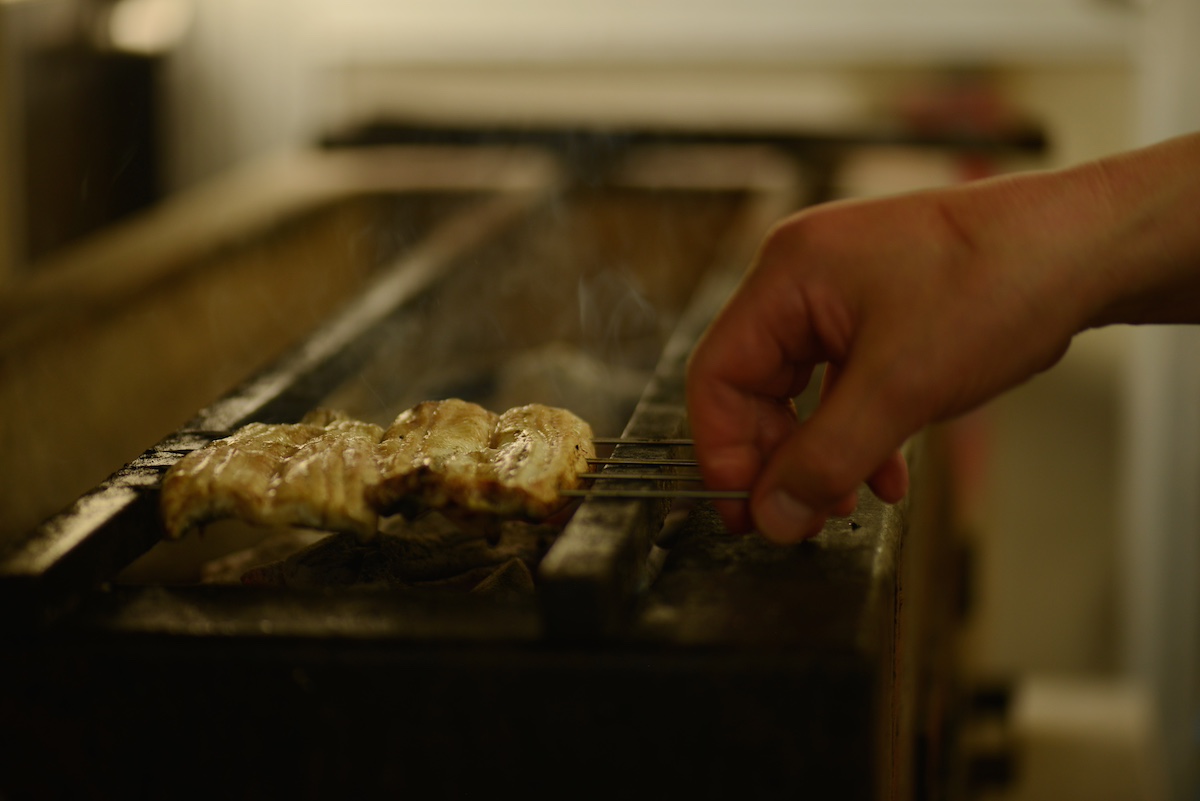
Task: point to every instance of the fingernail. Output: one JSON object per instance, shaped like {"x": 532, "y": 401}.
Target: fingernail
{"x": 783, "y": 518}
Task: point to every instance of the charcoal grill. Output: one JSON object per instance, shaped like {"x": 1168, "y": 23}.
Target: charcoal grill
{"x": 659, "y": 656}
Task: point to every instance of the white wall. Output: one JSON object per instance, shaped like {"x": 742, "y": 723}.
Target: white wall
{"x": 671, "y": 30}
{"x": 256, "y": 74}
{"x": 239, "y": 86}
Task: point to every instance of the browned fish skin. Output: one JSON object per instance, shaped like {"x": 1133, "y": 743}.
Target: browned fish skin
{"x": 535, "y": 451}
{"x": 302, "y": 474}
{"x": 511, "y": 464}
{"x": 326, "y": 482}
{"x": 229, "y": 477}
{"x": 427, "y": 442}
{"x": 333, "y": 473}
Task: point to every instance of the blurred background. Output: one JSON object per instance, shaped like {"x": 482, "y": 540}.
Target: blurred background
{"x": 1079, "y": 490}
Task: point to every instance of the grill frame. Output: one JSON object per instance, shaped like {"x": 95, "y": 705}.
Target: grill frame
{"x": 627, "y": 659}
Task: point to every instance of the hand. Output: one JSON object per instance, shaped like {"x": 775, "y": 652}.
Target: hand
{"x": 923, "y": 306}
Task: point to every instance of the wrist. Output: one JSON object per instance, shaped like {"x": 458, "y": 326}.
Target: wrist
{"x": 1148, "y": 260}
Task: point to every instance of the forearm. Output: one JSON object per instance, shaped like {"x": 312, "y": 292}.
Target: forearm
{"x": 1154, "y": 257}
{"x": 1111, "y": 241}
{"x": 927, "y": 305}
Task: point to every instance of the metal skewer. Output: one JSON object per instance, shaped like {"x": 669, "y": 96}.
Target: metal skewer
{"x": 732, "y": 495}
{"x": 644, "y": 476}
{"x": 662, "y": 462}
{"x": 638, "y": 441}
{"x": 648, "y": 493}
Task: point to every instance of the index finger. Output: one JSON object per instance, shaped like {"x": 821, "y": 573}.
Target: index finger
{"x": 753, "y": 359}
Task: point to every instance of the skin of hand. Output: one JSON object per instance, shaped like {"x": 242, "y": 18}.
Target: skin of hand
{"x": 924, "y": 306}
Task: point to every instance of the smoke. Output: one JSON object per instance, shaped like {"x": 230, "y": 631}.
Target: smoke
{"x": 617, "y": 320}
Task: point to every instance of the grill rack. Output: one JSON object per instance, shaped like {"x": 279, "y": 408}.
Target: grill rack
{"x": 752, "y": 668}
{"x": 46, "y": 572}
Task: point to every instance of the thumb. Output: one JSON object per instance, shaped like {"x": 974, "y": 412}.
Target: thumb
{"x": 853, "y": 436}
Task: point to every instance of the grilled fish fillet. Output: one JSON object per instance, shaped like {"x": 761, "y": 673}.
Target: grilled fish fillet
{"x": 338, "y": 474}
{"x": 313, "y": 474}
{"x": 535, "y": 452}
{"x": 325, "y": 484}
{"x": 426, "y": 443}
{"x": 453, "y": 453}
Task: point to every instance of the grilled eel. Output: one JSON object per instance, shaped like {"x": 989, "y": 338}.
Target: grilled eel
{"x": 455, "y": 454}
{"x": 334, "y": 473}
{"x": 312, "y": 474}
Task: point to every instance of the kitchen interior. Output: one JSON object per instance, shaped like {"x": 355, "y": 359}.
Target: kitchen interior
{"x": 132, "y": 127}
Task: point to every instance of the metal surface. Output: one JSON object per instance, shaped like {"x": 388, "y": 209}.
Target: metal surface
{"x": 709, "y": 495}
{"x": 614, "y": 478}
{"x": 641, "y": 476}
{"x": 744, "y": 669}
{"x": 648, "y": 461}
{"x": 666, "y": 442}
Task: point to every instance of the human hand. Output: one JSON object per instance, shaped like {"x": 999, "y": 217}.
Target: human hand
{"x": 923, "y": 306}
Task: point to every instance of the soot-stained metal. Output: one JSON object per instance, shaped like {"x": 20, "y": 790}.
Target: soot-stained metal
{"x": 659, "y": 652}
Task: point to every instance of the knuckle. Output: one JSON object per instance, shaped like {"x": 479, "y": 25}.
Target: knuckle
{"x": 821, "y": 474}
{"x": 802, "y": 233}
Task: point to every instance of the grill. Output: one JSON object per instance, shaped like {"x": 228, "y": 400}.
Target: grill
{"x": 658, "y": 654}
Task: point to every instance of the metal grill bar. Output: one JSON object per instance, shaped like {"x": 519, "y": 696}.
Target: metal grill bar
{"x": 643, "y": 476}
{"x": 645, "y": 462}
{"x": 639, "y": 441}
{"x": 671, "y": 494}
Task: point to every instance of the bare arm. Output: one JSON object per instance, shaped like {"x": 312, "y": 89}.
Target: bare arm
{"x": 925, "y": 306}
